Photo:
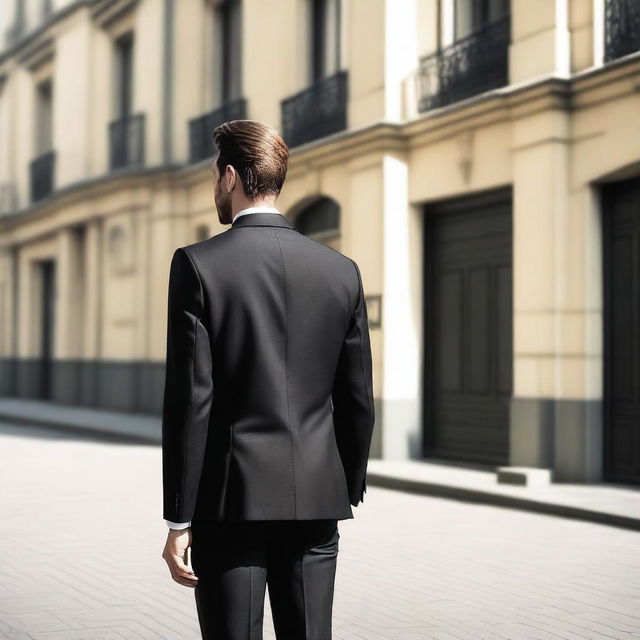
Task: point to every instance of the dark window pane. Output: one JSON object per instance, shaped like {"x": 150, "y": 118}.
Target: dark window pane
{"x": 321, "y": 215}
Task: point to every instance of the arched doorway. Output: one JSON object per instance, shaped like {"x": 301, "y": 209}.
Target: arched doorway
{"x": 320, "y": 220}
{"x": 202, "y": 232}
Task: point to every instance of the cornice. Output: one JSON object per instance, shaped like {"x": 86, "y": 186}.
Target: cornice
{"x": 106, "y": 12}
{"x": 86, "y": 191}
{"x": 36, "y": 53}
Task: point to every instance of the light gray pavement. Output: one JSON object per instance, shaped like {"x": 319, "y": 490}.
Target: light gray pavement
{"x": 82, "y": 536}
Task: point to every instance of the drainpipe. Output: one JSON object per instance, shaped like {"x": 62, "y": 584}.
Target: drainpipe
{"x": 167, "y": 88}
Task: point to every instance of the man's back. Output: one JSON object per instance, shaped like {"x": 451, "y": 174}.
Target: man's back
{"x": 281, "y": 321}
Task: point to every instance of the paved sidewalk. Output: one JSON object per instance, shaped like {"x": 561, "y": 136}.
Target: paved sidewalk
{"x": 82, "y": 539}
{"x": 606, "y": 503}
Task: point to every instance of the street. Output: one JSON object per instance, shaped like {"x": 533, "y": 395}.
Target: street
{"x": 82, "y": 537}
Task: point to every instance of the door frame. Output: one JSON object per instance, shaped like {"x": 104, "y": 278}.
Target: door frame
{"x": 606, "y": 230}
{"x": 444, "y": 206}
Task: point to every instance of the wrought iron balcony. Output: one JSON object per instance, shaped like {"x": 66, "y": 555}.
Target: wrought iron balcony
{"x": 317, "y": 111}
{"x": 470, "y": 66}
{"x": 42, "y": 169}
{"x": 201, "y": 128}
{"x": 622, "y": 28}
{"x": 126, "y": 141}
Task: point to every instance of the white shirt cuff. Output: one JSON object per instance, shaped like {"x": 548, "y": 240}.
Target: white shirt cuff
{"x": 178, "y": 525}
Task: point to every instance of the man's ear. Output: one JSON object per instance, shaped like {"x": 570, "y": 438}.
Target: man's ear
{"x": 230, "y": 177}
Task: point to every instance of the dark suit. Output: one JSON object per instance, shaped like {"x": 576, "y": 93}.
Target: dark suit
{"x": 268, "y": 407}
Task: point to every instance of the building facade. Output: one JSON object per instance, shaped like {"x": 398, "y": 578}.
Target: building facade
{"x": 479, "y": 159}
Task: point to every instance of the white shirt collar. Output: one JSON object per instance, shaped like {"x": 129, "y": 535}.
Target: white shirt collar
{"x": 255, "y": 210}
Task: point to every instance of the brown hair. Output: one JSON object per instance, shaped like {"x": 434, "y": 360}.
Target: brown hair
{"x": 257, "y": 152}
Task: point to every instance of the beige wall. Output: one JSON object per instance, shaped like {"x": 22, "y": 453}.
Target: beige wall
{"x": 23, "y": 115}
{"x": 71, "y": 74}
{"x": 99, "y": 101}
{"x": 148, "y": 74}
{"x": 191, "y": 25}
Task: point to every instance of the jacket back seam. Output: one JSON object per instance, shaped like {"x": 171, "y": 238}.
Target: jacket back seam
{"x": 286, "y": 372}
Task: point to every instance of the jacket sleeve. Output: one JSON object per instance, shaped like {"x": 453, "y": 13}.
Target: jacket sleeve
{"x": 352, "y": 396}
{"x": 188, "y": 390}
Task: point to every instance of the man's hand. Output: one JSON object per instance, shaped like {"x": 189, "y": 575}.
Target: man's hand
{"x": 175, "y": 555}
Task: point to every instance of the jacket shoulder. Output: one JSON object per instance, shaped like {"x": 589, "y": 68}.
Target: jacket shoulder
{"x": 348, "y": 263}
{"x": 344, "y": 267}
{"x": 196, "y": 250}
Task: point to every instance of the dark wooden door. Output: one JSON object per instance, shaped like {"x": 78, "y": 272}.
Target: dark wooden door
{"x": 621, "y": 253}
{"x": 468, "y": 329}
{"x": 47, "y": 327}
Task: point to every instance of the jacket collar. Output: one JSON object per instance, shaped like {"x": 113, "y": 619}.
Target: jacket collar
{"x": 262, "y": 219}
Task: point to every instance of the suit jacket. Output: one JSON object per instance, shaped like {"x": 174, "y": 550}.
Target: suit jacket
{"x": 268, "y": 406}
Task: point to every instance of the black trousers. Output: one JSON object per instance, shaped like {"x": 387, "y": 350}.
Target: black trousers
{"x": 235, "y": 561}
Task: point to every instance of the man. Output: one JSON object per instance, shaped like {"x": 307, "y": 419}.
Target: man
{"x": 268, "y": 404}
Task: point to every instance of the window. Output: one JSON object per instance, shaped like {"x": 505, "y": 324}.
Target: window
{"x": 126, "y": 132}
{"x": 471, "y": 15}
{"x": 472, "y": 55}
{"x": 202, "y": 232}
{"x": 622, "y": 28}
{"x": 42, "y": 167}
{"x": 124, "y": 74}
{"x": 44, "y": 117}
{"x": 324, "y": 55}
{"x": 321, "y": 219}
{"x": 228, "y": 53}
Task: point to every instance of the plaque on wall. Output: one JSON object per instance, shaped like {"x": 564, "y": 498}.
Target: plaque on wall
{"x": 120, "y": 246}
{"x": 374, "y": 310}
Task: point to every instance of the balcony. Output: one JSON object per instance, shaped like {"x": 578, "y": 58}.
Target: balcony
{"x": 126, "y": 142}
{"x": 622, "y": 28}
{"x": 472, "y": 65}
{"x": 317, "y": 111}
{"x": 42, "y": 169}
{"x": 201, "y": 128}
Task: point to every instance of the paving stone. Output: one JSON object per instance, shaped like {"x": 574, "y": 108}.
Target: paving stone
{"x": 83, "y": 536}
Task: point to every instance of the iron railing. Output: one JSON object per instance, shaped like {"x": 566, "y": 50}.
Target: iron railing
{"x": 317, "y": 111}
{"x": 470, "y": 66}
{"x": 42, "y": 169}
{"x": 201, "y": 128}
{"x": 126, "y": 141}
{"x": 622, "y": 28}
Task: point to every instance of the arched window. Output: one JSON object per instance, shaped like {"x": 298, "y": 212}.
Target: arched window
{"x": 202, "y": 232}
{"x": 320, "y": 219}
